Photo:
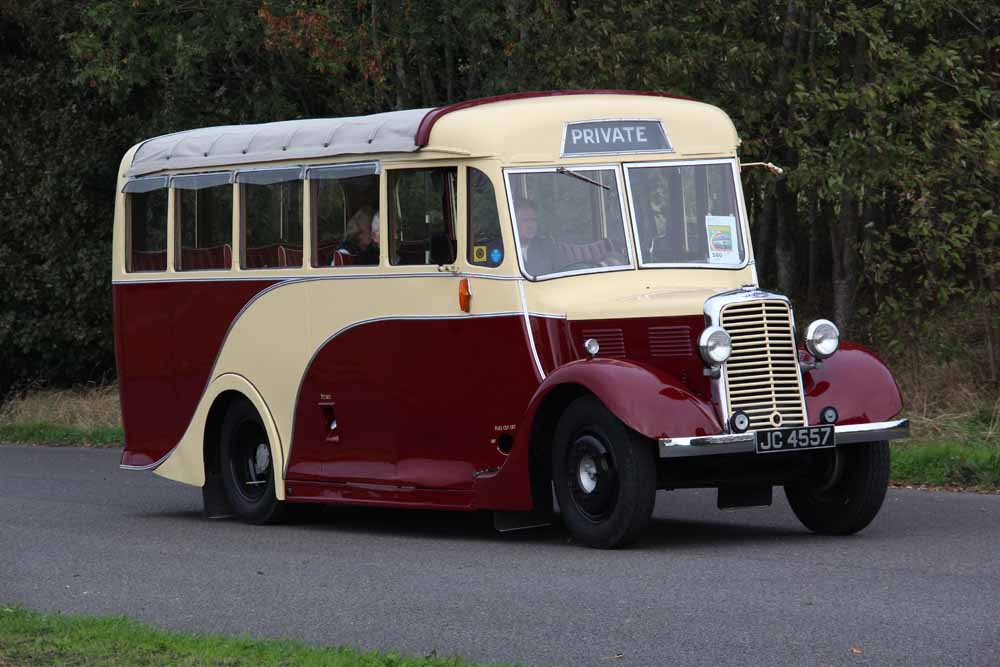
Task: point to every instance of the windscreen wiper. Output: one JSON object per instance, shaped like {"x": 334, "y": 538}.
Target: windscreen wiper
{"x": 567, "y": 172}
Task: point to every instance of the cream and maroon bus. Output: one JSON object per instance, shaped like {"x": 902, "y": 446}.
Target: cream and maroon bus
{"x": 469, "y": 306}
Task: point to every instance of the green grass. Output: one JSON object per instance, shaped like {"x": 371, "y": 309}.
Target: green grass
{"x": 41, "y": 433}
{"x": 968, "y": 464}
{"x": 32, "y": 638}
{"x": 959, "y": 449}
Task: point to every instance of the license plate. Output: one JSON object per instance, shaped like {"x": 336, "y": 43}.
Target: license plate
{"x": 794, "y": 439}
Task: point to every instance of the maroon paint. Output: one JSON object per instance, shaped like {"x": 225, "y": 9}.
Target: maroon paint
{"x": 337, "y": 493}
{"x": 417, "y": 402}
{"x": 687, "y": 368}
{"x": 423, "y": 135}
{"x": 167, "y": 336}
{"x": 854, "y": 381}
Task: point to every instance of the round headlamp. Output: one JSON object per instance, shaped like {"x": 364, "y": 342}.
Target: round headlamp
{"x": 715, "y": 345}
{"x": 822, "y": 338}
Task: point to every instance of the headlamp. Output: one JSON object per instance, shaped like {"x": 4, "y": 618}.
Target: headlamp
{"x": 822, "y": 339}
{"x": 715, "y": 345}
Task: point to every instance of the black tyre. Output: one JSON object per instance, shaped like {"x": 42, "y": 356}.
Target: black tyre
{"x": 604, "y": 475}
{"x": 247, "y": 468}
{"x": 851, "y": 496}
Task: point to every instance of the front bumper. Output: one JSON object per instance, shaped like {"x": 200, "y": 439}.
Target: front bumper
{"x": 743, "y": 443}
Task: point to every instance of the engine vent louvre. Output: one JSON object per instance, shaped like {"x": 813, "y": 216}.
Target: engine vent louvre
{"x": 612, "y": 341}
{"x": 670, "y": 342}
{"x": 762, "y": 374}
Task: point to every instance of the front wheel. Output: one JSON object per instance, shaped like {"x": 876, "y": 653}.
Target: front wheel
{"x": 247, "y": 467}
{"x": 604, "y": 475}
{"x": 850, "y": 498}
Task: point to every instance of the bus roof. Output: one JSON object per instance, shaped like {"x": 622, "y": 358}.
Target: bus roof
{"x": 519, "y": 123}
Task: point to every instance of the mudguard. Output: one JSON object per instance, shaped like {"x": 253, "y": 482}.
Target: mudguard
{"x": 186, "y": 464}
{"x": 647, "y": 399}
{"x": 857, "y": 383}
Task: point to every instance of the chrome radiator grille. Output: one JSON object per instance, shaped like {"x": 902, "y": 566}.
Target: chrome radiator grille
{"x": 762, "y": 375}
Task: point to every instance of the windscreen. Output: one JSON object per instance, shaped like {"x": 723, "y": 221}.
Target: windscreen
{"x": 568, "y": 220}
{"x": 686, "y": 214}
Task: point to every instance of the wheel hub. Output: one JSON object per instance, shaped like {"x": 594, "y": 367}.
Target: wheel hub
{"x": 262, "y": 458}
{"x": 592, "y": 475}
{"x": 587, "y": 474}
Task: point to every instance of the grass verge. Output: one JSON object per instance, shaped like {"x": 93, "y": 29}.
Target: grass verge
{"x": 41, "y": 433}
{"x": 33, "y": 638}
{"x": 89, "y": 416}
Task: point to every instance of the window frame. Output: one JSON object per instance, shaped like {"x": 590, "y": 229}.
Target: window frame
{"x": 129, "y": 234}
{"x": 627, "y": 229}
{"x": 313, "y": 175}
{"x": 178, "y": 210}
{"x": 742, "y": 223}
{"x": 262, "y": 178}
{"x": 452, "y": 190}
{"x": 467, "y": 194}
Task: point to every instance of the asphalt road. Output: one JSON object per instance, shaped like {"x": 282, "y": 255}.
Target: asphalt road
{"x": 921, "y": 586}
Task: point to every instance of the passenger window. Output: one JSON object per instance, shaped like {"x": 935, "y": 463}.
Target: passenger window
{"x": 485, "y": 242}
{"x": 272, "y": 218}
{"x": 422, "y": 216}
{"x": 205, "y": 212}
{"x": 345, "y": 214}
{"x": 146, "y": 225}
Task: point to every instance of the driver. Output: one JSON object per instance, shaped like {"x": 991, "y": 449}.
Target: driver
{"x": 537, "y": 252}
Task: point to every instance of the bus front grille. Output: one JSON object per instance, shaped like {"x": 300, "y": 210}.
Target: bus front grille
{"x": 762, "y": 375}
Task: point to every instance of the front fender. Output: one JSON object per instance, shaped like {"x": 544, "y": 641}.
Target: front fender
{"x": 857, "y": 383}
{"x": 649, "y": 400}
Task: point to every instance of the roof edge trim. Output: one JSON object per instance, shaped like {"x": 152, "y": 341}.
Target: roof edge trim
{"x": 423, "y": 135}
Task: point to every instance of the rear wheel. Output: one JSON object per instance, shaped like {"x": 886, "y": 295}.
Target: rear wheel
{"x": 604, "y": 475}
{"x": 849, "y": 495}
{"x": 247, "y": 467}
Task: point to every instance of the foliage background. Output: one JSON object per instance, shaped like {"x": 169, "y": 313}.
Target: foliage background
{"x": 886, "y": 116}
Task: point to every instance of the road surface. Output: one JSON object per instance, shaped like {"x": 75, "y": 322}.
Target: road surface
{"x": 921, "y": 586}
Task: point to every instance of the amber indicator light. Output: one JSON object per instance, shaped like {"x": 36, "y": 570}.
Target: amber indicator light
{"x": 464, "y": 294}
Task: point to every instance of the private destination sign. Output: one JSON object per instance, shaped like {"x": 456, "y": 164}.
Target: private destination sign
{"x": 598, "y": 137}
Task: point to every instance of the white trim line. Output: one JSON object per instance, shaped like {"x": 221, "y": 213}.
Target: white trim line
{"x": 527, "y": 328}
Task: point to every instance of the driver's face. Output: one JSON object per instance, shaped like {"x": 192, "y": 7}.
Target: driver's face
{"x": 364, "y": 237}
{"x": 527, "y": 223}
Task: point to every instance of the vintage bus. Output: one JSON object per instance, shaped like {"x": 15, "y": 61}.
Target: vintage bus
{"x": 470, "y": 306}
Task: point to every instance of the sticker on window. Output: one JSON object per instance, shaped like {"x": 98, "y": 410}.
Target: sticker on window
{"x": 722, "y": 248}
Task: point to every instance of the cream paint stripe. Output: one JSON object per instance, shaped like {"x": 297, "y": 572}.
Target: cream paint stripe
{"x": 527, "y": 328}
{"x": 371, "y": 320}
{"x": 291, "y": 279}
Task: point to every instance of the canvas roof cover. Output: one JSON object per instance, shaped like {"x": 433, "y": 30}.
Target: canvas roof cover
{"x": 391, "y": 132}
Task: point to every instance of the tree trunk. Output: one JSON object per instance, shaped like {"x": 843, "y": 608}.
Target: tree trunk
{"x": 785, "y": 255}
{"x": 843, "y": 237}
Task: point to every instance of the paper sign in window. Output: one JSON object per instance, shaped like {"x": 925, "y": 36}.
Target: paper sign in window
{"x": 722, "y": 240}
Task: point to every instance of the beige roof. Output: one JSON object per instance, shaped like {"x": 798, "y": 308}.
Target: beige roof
{"x": 531, "y": 129}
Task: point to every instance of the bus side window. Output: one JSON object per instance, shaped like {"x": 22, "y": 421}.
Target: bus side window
{"x": 485, "y": 242}
{"x": 335, "y": 202}
{"x": 146, "y": 230}
{"x": 205, "y": 217}
{"x": 272, "y": 218}
{"x": 422, "y": 216}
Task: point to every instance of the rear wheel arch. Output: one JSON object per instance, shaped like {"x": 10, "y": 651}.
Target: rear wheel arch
{"x": 229, "y": 389}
